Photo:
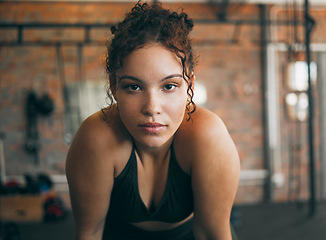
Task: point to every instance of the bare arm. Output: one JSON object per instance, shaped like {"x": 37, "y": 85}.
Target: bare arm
{"x": 90, "y": 174}
{"x": 215, "y": 175}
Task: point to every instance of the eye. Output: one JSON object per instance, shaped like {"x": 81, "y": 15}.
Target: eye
{"x": 169, "y": 86}
{"x": 132, "y": 87}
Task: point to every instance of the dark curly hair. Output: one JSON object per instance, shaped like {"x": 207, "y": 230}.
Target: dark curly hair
{"x": 152, "y": 24}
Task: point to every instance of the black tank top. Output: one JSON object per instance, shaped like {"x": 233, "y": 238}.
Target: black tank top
{"x": 176, "y": 203}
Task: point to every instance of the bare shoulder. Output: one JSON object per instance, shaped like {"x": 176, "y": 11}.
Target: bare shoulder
{"x": 97, "y": 145}
{"x": 101, "y": 134}
{"x": 205, "y": 141}
{"x": 204, "y": 121}
{"x": 206, "y": 147}
{"x": 205, "y": 130}
{"x": 90, "y": 169}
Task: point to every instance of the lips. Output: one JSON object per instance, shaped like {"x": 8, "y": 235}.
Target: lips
{"x": 152, "y": 127}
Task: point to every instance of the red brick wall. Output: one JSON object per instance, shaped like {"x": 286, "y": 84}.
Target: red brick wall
{"x": 229, "y": 65}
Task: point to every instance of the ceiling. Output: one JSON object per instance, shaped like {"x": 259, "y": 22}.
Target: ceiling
{"x": 314, "y": 2}
{"x": 279, "y": 2}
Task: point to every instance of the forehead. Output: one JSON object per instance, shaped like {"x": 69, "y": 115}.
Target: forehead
{"x": 152, "y": 59}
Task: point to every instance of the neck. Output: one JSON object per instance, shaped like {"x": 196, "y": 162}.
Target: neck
{"x": 156, "y": 154}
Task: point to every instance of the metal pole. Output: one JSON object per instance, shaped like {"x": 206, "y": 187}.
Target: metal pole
{"x": 267, "y": 152}
{"x": 309, "y": 23}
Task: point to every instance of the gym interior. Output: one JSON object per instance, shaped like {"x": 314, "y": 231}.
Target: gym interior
{"x": 261, "y": 68}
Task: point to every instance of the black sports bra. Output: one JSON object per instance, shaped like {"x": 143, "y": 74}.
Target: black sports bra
{"x": 176, "y": 203}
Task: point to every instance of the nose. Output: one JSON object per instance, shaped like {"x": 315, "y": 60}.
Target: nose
{"x": 151, "y": 104}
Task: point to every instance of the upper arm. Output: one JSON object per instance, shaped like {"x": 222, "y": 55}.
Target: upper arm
{"x": 90, "y": 173}
{"x": 215, "y": 175}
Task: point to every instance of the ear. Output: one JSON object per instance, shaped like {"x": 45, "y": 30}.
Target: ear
{"x": 192, "y": 80}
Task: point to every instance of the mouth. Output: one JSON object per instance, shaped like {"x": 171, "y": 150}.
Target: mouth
{"x": 152, "y": 127}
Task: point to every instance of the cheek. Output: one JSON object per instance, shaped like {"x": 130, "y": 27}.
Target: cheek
{"x": 177, "y": 107}
{"x": 126, "y": 109}
{"x": 124, "y": 101}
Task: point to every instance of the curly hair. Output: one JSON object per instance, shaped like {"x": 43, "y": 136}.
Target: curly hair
{"x": 152, "y": 24}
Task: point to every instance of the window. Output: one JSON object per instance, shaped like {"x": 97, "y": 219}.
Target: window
{"x": 84, "y": 99}
{"x": 297, "y": 82}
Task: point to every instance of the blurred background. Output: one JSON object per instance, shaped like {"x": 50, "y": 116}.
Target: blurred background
{"x": 262, "y": 69}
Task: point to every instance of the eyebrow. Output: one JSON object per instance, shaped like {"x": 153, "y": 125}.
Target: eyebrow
{"x": 139, "y": 80}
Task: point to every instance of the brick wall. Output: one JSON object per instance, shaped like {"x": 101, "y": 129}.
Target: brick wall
{"x": 229, "y": 65}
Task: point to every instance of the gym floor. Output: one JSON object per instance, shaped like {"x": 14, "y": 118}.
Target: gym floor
{"x": 285, "y": 221}
{"x": 282, "y": 221}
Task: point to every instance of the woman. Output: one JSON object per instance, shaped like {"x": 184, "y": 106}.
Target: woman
{"x": 153, "y": 165}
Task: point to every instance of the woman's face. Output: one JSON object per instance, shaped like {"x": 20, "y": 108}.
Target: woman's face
{"x": 151, "y": 94}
